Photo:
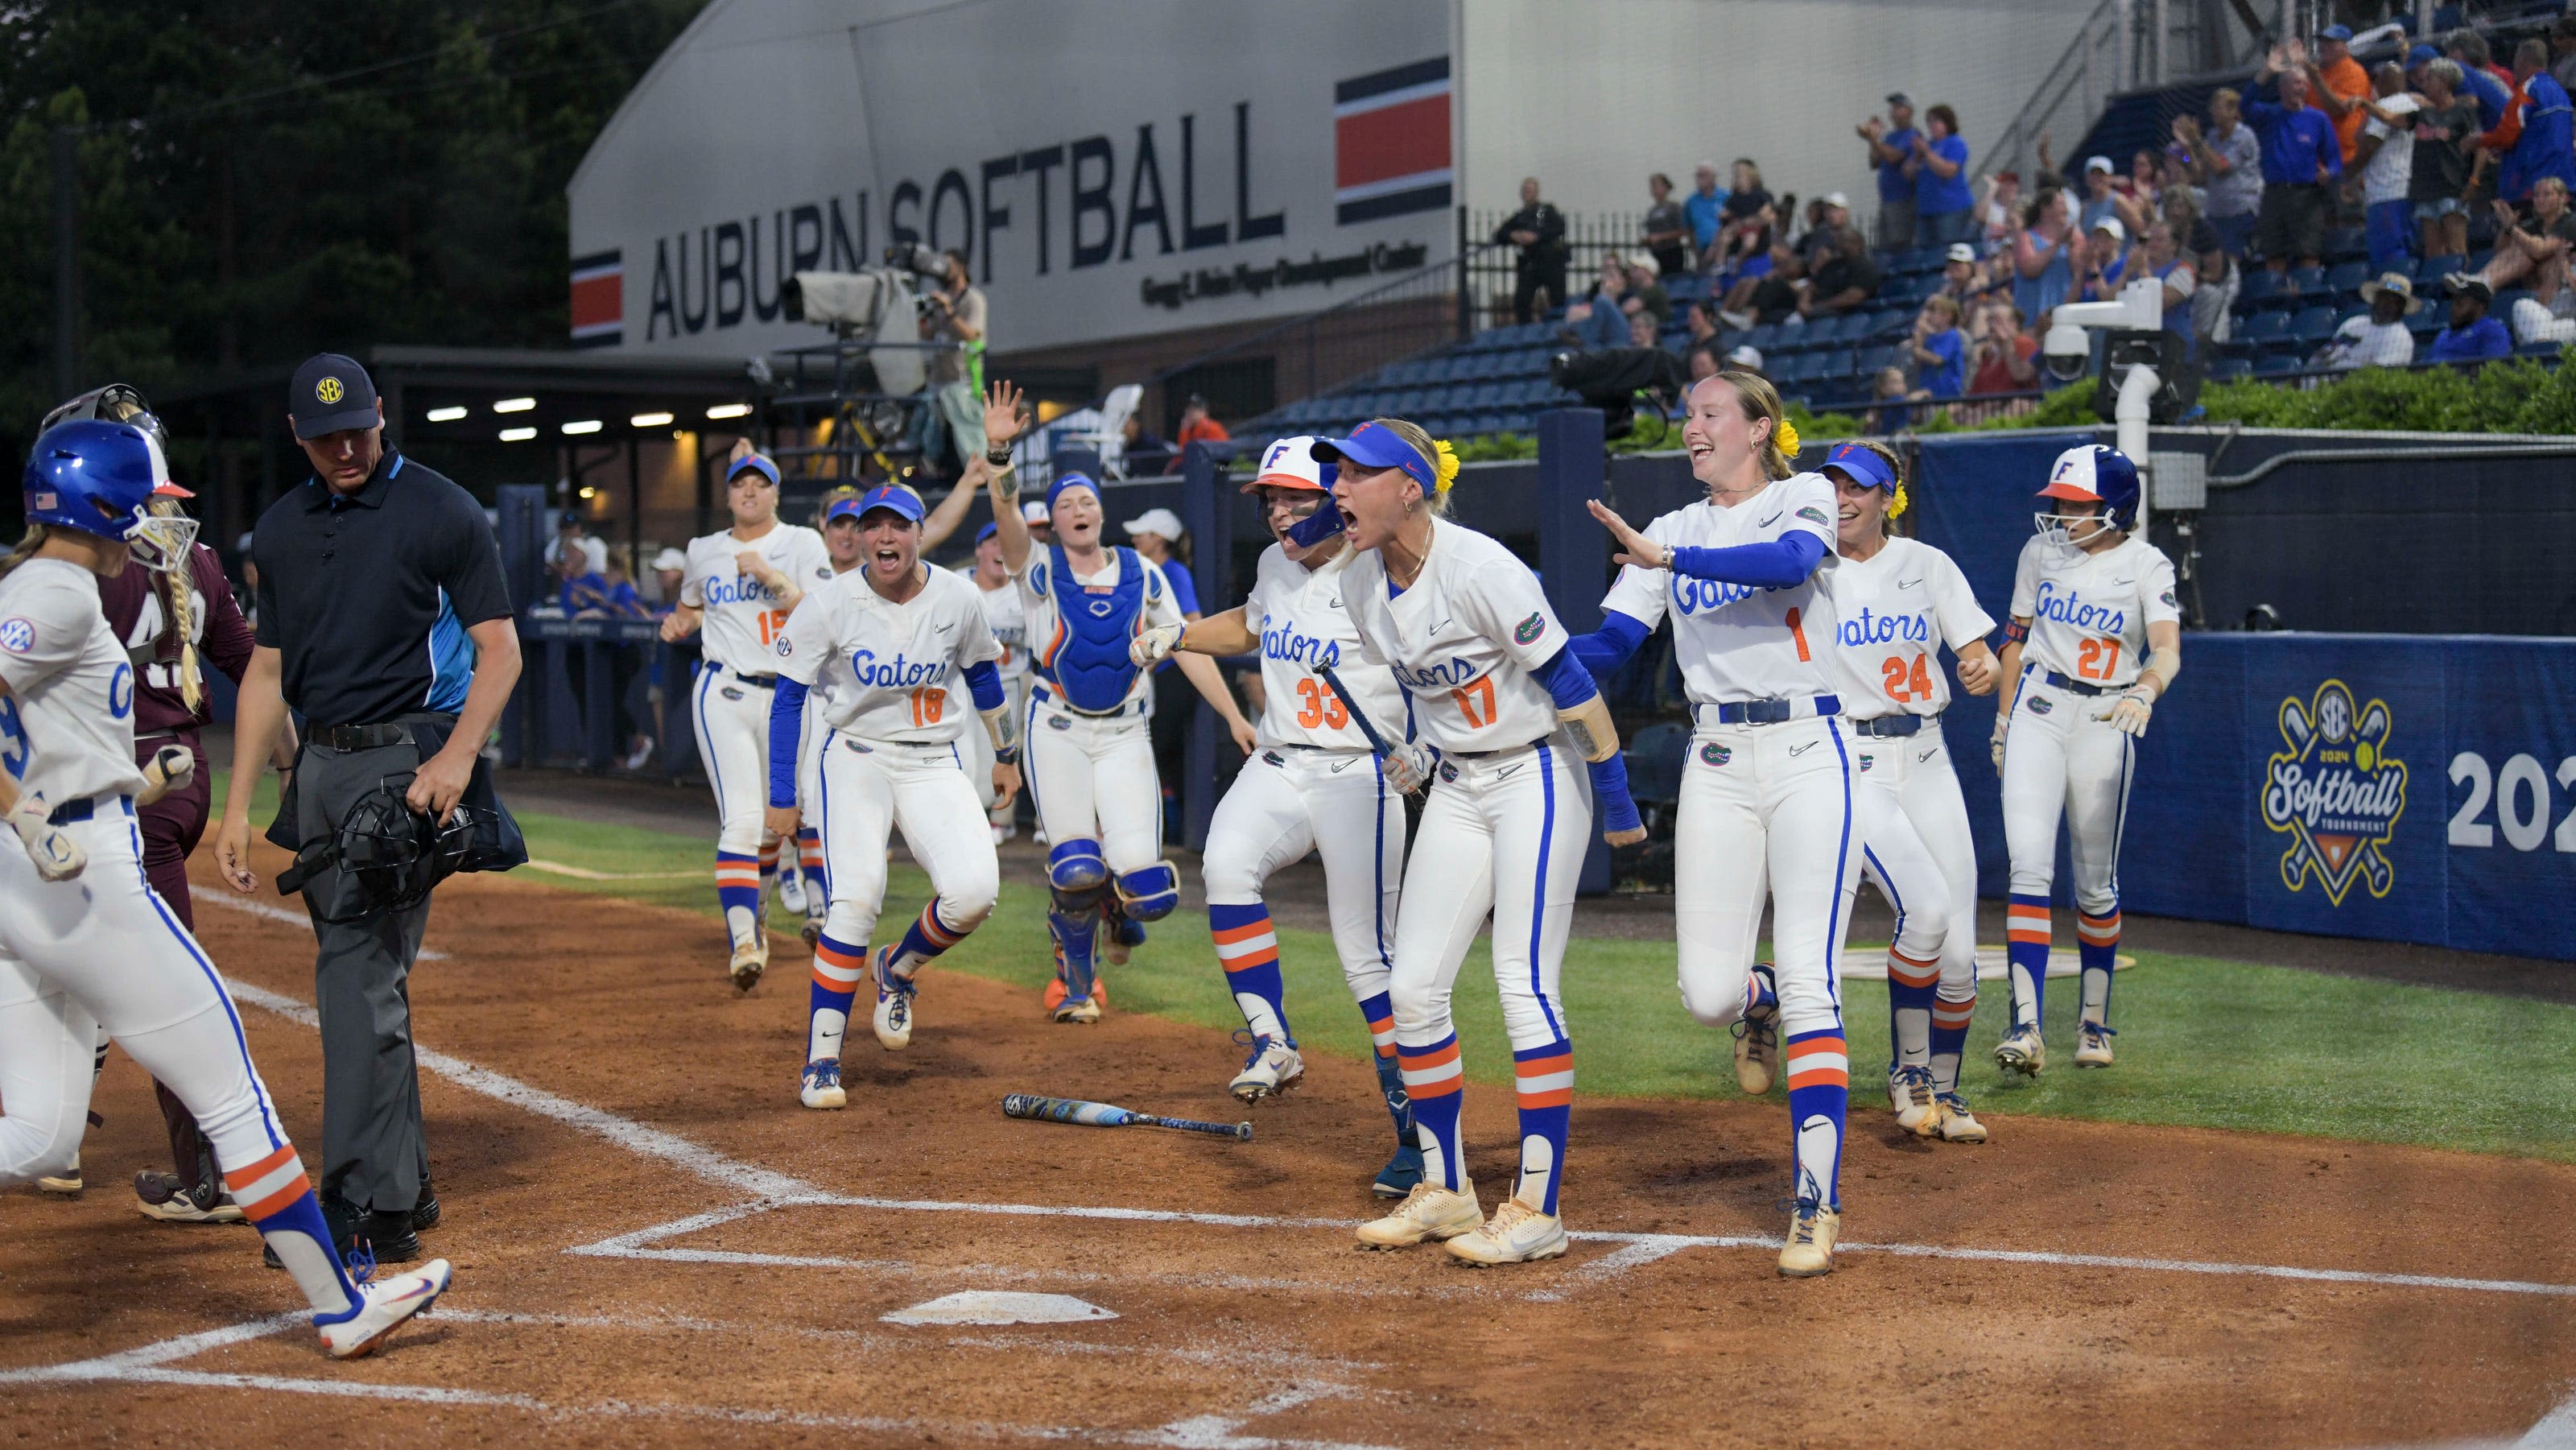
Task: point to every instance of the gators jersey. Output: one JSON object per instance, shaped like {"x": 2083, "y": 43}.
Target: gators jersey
{"x": 888, "y": 671}
{"x": 1046, "y": 630}
{"x": 1299, "y": 614}
{"x": 1737, "y": 642}
{"x": 2089, "y": 613}
{"x": 743, "y": 615}
{"x": 67, "y": 723}
{"x": 1464, "y": 641}
{"x": 1892, "y": 613}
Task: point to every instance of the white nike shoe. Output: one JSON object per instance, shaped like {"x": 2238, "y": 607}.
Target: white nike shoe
{"x": 384, "y": 1306}
{"x": 894, "y": 1003}
{"x": 1425, "y": 1213}
{"x": 1273, "y": 1068}
{"x": 1516, "y": 1234}
{"x": 2093, "y": 1044}
{"x": 820, "y": 1087}
{"x": 750, "y": 959}
{"x": 791, "y": 892}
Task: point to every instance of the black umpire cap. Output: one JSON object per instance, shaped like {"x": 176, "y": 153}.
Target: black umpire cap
{"x": 331, "y": 393}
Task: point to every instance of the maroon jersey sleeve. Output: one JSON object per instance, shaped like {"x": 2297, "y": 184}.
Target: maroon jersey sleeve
{"x": 227, "y": 643}
{"x": 131, "y": 600}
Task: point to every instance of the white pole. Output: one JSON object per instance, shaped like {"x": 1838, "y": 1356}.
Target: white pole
{"x": 2129, "y": 421}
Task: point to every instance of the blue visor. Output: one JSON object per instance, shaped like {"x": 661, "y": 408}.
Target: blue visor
{"x": 986, "y": 532}
{"x": 1064, "y": 481}
{"x": 1371, "y": 446}
{"x": 2421, "y": 54}
{"x": 1863, "y": 464}
{"x": 894, "y": 497}
{"x": 757, "y": 463}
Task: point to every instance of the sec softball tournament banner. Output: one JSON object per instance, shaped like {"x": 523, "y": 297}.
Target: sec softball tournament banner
{"x": 1125, "y": 187}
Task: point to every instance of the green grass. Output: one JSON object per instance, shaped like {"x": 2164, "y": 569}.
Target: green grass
{"x": 2203, "y": 1043}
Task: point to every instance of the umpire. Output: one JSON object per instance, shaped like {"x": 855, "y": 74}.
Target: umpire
{"x": 384, "y": 624}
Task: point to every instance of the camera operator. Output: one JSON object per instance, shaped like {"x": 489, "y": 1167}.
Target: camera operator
{"x": 952, "y": 315}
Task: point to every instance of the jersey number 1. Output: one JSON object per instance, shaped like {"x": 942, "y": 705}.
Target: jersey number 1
{"x": 2095, "y": 659}
{"x": 1319, "y": 708}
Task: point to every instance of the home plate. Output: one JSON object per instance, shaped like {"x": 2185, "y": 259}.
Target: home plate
{"x": 993, "y": 1306}
{"x": 1869, "y": 964}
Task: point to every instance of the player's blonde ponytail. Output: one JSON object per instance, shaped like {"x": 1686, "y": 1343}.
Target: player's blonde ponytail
{"x": 26, "y": 549}
{"x": 1760, "y": 400}
{"x": 179, "y": 611}
{"x": 1436, "y": 456}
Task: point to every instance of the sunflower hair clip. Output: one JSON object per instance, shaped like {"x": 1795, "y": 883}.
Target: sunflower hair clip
{"x": 1445, "y": 466}
{"x": 1786, "y": 436}
{"x": 1896, "y": 506}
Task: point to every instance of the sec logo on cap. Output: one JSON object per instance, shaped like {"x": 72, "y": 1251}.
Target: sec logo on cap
{"x": 328, "y": 390}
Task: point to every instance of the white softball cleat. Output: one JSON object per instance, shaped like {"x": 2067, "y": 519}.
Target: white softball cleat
{"x": 1425, "y": 1213}
{"x": 2021, "y": 1051}
{"x": 1958, "y": 1125}
{"x": 1909, "y": 1093}
{"x": 1273, "y": 1068}
{"x": 385, "y": 1305}
{"x": 820, "y": 1085}
{"x": 1810, "y": 1249}
{"x": 2093, "y": 1044}
{"x": 750, "y": 959}
{"x": 1516, "y": 1234}
{"x": 894, "y": 1003}
{"x": 791, "y": 892}
{"x": 66, "y": 1184}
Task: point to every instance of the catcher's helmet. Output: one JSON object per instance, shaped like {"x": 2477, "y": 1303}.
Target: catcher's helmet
{"x": 397, "y": 854}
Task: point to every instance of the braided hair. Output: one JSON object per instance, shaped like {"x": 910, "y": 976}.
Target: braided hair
{"x": 179, "y": 617}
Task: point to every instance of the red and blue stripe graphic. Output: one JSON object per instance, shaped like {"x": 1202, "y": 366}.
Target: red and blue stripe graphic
{"x": 599, "y": 299}
{"x": 1391, "y": 152}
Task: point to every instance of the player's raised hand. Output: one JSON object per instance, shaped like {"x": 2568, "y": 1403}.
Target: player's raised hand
{"x": 1001, "y": 415}
{"x": 1634, "y": 548}
{"x": 1155, "y": 645}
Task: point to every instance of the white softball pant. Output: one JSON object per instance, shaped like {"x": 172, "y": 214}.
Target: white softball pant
{"x": 103, "y": 951}
{"x": 732, "y": 719}
{"x": 978, "y": 745}
{"x": 869, "y": 787}
{"x": 2059, "y": 759}
{"x": 1766, "y": 810}
{"x": 1286, "y": 802}
{"x": 1093, "y": 779}
{"x": 1916, "y": 847}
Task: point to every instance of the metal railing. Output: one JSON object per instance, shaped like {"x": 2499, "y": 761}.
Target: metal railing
{"x": 1487, "y": 284}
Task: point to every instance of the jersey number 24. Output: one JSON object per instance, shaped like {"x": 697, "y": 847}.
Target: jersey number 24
{"x": 1905, "y": 683}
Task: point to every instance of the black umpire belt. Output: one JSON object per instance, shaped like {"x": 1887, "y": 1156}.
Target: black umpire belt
{"x": 2075, "y": 687}
{"x": 1892, "y": 726}
{"x": 362, "y": 737}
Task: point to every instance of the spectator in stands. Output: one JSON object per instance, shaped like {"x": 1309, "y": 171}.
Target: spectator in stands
{"x": 2135, "y": 196}
{"x": 2101, "y": 198}
{"x": 1667, "y": 229}
{"x": 2216, "y": 276}
{"x": 2165, "y": 261}
{"x": 2481, "y": 79}
{"x": 2473, "y": 336}
{"x": 1961, "y": 278}
{"x": 1645, "y": 293}
{"x": 1769, "y": 297}
{"x": 2386, "y": 156}
{"x": 2337, "y": 85}
{"x": 2043, "y": 264}
{"x": 2299, "y": 156}
{"x": 1845, "y": 282}
{"x": 1142, "y": 454}
{"x": 1945, "y": 206}
{"x": 2534, "y": 250}
{"x": 1889, "y": 413}
{"x": 670, "y": 567}
{"x": 1701, "y": 319}
{"x": 1600, "y": 320}
{"x": 2379, "y": 340}
{"x": 1706, "y": 208}
{"x": 2102, "y": 265}
{"x": 2228, "y": 161}
{"x": 571, "y": 533}
{"x": 2006, "y": 357}
{"x": 1745, "y": 355}
{"x": 1940, "y": 352}
{"x": 1745, "y": 234}
{"x": 1537, "y": 233}
{"x": 1703, "y": 364}
{"x": 2445, "y": 130}
{"x": 579, "y": 589}
{"x": 2003, "y": 198}
{"x": 2538, "y": 136}
{"x": 1891, "y": 154}
{"x": 953, "y": 315}
{"x": 1643, "y": 332}
{"x": 1827, "y": 216}
{"x": 2562, "y": 50}
{"x": 1197, "y": 426}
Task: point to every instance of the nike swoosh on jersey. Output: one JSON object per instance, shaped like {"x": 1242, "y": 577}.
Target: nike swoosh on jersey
{"x": 1802, "y": 749}
{"x": 1506, "y": 772}
{"x": 1907, "y": 583}
{"x": 1342, "y": 765}
{"x": 1766, "y": 523}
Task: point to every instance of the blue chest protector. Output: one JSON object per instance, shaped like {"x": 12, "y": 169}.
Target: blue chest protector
{"x": 1087, "y": 660}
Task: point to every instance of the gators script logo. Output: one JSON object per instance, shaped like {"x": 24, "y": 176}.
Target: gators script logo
{"x": 2336, "y": 792}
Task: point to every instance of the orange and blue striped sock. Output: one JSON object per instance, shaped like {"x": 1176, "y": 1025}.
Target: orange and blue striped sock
{"x": 809, "y": 862}
{"x": 923, "y": 941}
{"x": 1910, "y": 985}
{"x": 1950, "y": 1038}
{"x": 1543, "y": 1078}
{"x": 838, "y": 969}
{"x": 1819, "y": 1098}
{"x": 1380, "y": 1013}
{"x": 2026, "y": 946}
{"x": 1248, "y": 948}
{"x": 2097, "y": 946}
{"x": 768, "y": 868}
{"x": 1431, "y": 1082}
{"x": 277, "y": 1198}
{"x": 738, "y": 888}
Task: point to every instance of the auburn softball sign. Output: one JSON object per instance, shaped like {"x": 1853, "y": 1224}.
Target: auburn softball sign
{"x": 2336, "y": 791}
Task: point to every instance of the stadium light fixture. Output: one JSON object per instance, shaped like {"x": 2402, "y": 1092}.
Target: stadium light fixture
{"x": 514, "y": 405}
{"x": 580, "y": 426}
{"x": 722, "y": 411}
{"x": 444, "y": 415}
{"x": 651, "y": 420}
{"x": 517, "y": 435}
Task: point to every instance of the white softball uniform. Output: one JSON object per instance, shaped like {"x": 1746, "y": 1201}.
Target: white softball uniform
{"x": 895, "y": 707}
{"x": 2088, "y": 636}
{"x": 1092, "y": 777}
{"x": 1010, "y": 630}
{"x": 809, "y": 739}
{"x": 100, "y": 950}
{"x": 1313, "y": 784}
{"x": 1504, "y": 828}
{"x": 1777, "y": 793}
{"x": 737, "y": 641}
{"x": 1893, "y": 612}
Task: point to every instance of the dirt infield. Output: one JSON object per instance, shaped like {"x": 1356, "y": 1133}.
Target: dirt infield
{"x": 655, "y": 1244}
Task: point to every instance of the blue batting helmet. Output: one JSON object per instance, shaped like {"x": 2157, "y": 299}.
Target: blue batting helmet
{"x": 95, "y": 477}
{"x": 2093, "y": 473}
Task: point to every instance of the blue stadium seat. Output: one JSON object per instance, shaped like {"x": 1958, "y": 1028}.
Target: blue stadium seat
{"x": 2269, "y": 329}
{"x": 1889, "y": 323}
{"x": 2277, "y": 365}
{"x": 1840, "y": 363}
{"x": 1922, "y": 260}
{"x": 2257, "y": 289}
{"x": 2345, "y": 244}
{"x": 2478, "y": 259}
{"x": 1762, "y": 338}
{"x": 2312, "y": 326}
{"x": 2228, "y": 368}
{"x": 1853, "y": 326}
{"x": 2427, "y": 322}
{"x": 2536, "y": 349}
{"x": 2308, "y": 279}
{"x": 2434, "y": 269}
{"x": 2347, "y": 277}
{"x": 2503, "y": 305}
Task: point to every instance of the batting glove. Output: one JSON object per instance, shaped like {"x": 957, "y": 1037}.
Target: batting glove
{"x": 2002, "y": 723}
{"x": 171, "y": 768}
{"x": 1155, "y": 645}
{"x": 2130, "y": 712}
{"x": 1408, "y": 767}
{"x": 57, "y": 856}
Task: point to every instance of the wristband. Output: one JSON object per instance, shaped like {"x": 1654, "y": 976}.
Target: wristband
{"x": 1008, "y": 755}
{"x": 998, "y": 457}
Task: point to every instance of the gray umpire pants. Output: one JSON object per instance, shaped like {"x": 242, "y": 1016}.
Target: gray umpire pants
{"x": 373, "y": 1153}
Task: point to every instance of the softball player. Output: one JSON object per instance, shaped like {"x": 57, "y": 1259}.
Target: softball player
{"x": 741, "y": 586}
{"x": 992, "y": 580}
{"x": 1770, "y": 779}
{"x": 1090, "y": 758}
{"x": 1314, "y": 785}
{"x": 85, "y": 942}
{"x": 1505, "y": 713}
{"x": 2095, "y": 641}
{"x": 1896, "y": 602}
{"x": 885, "y": 648}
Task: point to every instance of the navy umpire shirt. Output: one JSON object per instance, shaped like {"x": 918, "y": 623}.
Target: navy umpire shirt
{"x": 366, "y": 598}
